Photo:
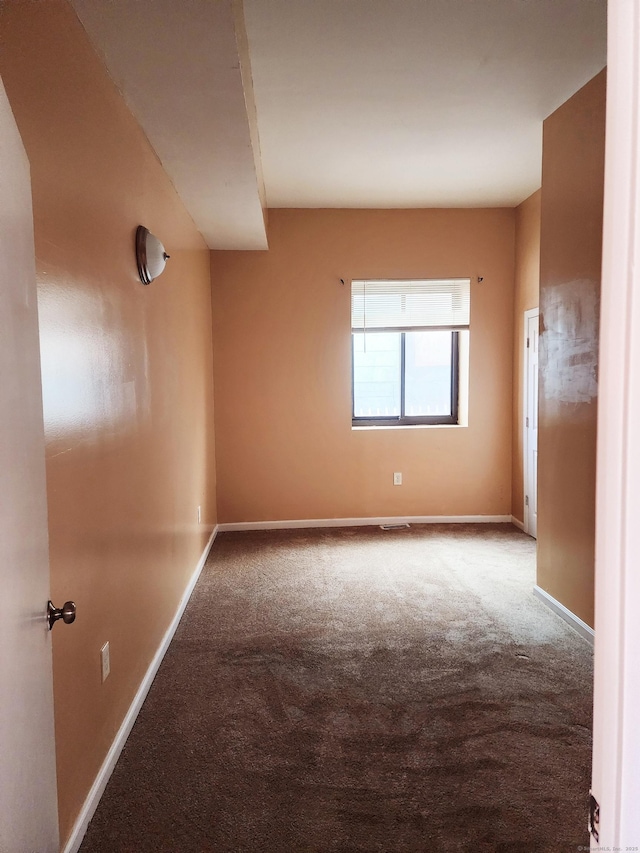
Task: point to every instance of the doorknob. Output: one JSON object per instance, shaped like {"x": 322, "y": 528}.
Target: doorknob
{"x": 67, "y": 613}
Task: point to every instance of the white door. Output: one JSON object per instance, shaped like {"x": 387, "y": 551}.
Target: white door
{"x": 531, "y": 422}
{"x": 28, "y": 801}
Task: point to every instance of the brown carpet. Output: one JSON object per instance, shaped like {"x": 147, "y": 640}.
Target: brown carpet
{"x": 359, "y": 690}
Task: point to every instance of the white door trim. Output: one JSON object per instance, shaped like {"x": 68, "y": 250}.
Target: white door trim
{"x": 528, "y": 315}
{"x": 616, "y": 734}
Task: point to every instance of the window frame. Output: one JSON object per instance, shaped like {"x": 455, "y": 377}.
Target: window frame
{"x": 402, "y": 419}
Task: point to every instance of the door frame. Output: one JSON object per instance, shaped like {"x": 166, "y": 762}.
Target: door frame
{"x": 529, "y": 314}
{"x": 616, "y": 735}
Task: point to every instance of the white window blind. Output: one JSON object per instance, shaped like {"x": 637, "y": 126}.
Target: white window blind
{"x": 420, "y": 304}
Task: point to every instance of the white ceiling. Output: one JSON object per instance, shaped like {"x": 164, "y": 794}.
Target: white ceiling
{"x": 182, "y": 67}
{"x": 345, "y": 103}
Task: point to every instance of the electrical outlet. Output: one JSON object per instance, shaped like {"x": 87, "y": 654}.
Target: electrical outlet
{"x": 199, "y": 514}
{"x": 105, "y": 660}
{"x": 397, "y": 479}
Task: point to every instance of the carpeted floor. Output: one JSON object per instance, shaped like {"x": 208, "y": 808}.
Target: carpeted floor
{"x": 360, "y": 690}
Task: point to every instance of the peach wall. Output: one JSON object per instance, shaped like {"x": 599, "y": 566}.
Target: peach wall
{"x": 570, "y": 261}
{"x": 127, "y": 380}
{"x": 526, "y": 296}
{"x": 282, "y": 364}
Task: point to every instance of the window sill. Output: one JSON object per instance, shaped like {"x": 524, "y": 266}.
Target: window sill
{"x": 408, "y": 426}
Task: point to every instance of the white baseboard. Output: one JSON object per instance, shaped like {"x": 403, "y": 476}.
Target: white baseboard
{"x": 563, "y": 612}
{"x": 363, "y": 522}
{"x": 517, "y": 523}
{"x": 100, "y": 783}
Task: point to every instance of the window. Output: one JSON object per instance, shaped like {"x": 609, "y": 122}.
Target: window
{"x": 406, "y": 340}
